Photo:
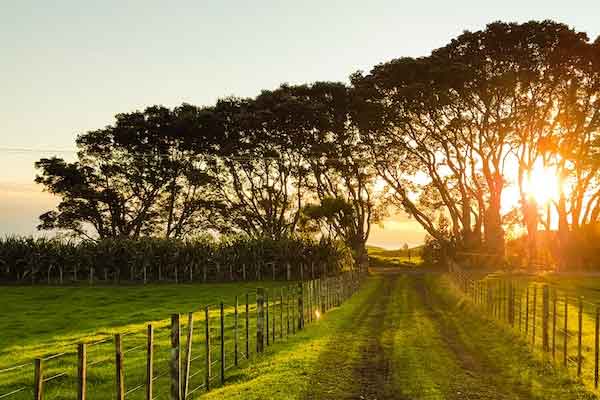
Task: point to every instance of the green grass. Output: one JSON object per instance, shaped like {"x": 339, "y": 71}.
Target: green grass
{"x": 41, "y": 321}
{"x": 518, "y": 367}
{"x": 379, "y": 257}
{"x": 562, "y": 288}
{"x": 290, "y": 369}
{"x": 436, "y": 346}
{"x": 429, "y": 343}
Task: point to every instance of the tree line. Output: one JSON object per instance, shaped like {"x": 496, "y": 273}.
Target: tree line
{"x": 439, "y": 137}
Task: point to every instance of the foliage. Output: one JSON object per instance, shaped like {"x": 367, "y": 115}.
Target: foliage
{"x": 152, "y": 259}
{"x": 143, "y": 176}
{"x": 444, "y": 129}
{"x": 447, "y": 134}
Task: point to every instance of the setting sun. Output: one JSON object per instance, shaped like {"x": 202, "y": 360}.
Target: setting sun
{"x": 542, "y": 184}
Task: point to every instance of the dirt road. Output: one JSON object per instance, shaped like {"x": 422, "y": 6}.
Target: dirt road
{"x": 411, "y": 339}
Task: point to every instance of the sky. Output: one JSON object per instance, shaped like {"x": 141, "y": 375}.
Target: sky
{"x": 67, "y": 67}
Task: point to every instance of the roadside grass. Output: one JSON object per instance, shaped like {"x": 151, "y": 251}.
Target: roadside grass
{"x": 451, "y": 352}
{"x": 40, "y": 321}
{"x": 318, "y": 360}
{"x": 439, "y": 346}
{"x": 563, "y": 289}
{"x": 423, "y": 366}
{"x": 528, "y": 372}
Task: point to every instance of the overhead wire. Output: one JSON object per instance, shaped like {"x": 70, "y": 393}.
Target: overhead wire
{"x": 167, "y": 156}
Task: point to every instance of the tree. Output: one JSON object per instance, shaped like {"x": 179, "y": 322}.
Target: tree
{"x": 261, "y": 183}
{"x": 314, "y": 122}
{"x": 444, "y": 129}
{"x": 145, "y": 175}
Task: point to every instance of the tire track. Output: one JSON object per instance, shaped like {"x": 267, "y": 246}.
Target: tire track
{"x": 479, "y": 381}
{"x": 368, "y": 373}
{"x": 374, "y": 369}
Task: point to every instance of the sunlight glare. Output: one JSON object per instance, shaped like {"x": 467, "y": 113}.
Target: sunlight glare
{"x": 542, "y": 184}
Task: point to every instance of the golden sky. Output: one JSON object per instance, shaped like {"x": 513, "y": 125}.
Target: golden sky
{"x": 22, "y": 203}
{"x": 70, "y": 66}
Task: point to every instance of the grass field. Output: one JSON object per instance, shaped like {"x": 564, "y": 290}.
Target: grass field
{"x": 566, "y": 294}
{"x": 379, "y": 257}
{"x": 403, "y": 335}
{"x": 41, "y": 321}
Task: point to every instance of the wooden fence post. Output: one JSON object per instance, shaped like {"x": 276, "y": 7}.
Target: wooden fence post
{"x": 208, "y": 360}
{"x": 554, "y": 324}
{"x": 503, "y": 302}
{"x": 309, "y": 298}
{"x": 287, "y": 311}
{"x": 260, "y": 319}
{"x": 281, "y": 314}
{"x": 520, "y": 310}
{"x": 319, "y": 305}
{"x": 235, "y": 333}
{"x": 545, "y": 318}
{"x": 533, "y": 317}
{"x": 294, "y": 309}
{"x": 120, "y": 378}
{"x": 596, "y": 344}
{"x": 175, "y": 362}
{"x": 300, "y": 306}
{"x": 150, "y": 363}
{"x": 274, "y": 317}
{"x": 38, "y": 388}
{"x": 259, "y": 272}
{"x": 327, "y": 295}
{"x": 527, "y": 311}
{"x": 267, "y": 318}
{"x": 188, "y": 355}
{"x": 222, "y": 345}
{"x": 489, "y": 297}
{"x": 247, "y": 327}
{"x": 81, "y": 370}
{"x": 565, "y": 336}
{"x": 511, "y": 304}
{"x": 579, "y": 334}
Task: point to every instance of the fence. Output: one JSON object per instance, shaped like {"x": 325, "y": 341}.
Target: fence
{"x": 183, "y": 356}
{"x": 559, "y": 324}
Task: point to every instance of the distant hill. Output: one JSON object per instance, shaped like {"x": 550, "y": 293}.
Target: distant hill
{"x": 380, "y": 257}
{"x": 381, "y": 252}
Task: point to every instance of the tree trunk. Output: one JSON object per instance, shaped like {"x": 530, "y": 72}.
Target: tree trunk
{"x": 563, "y": 233}
{"x": 494, "y": 234}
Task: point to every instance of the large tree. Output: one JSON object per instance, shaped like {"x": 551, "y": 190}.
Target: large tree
{"x": 446, "y": 129}
{"x": 145, "y": 175}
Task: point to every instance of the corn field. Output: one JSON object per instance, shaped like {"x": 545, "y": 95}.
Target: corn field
{"x": 55, "y": 261}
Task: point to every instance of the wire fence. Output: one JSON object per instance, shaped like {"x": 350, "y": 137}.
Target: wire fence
{"x": 560, "y": 325}
{"x": 181, "y": 357}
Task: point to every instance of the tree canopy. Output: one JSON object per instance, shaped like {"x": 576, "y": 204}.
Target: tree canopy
{"x": 443, "y": 138}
